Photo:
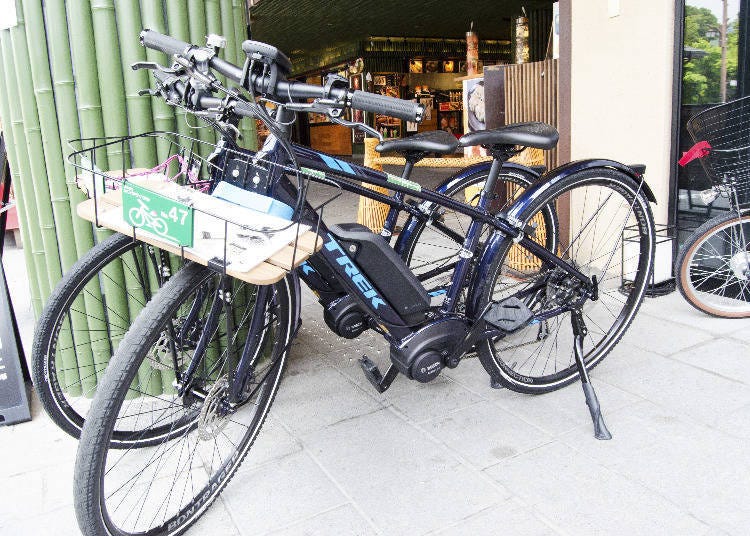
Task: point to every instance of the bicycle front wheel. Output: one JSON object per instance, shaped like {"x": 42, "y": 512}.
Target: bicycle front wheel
{"x": 86, "y": 316}
{"x": 714, "y": 267}
{"x": 164, "y": 488}
{"x": 607, "y": 231}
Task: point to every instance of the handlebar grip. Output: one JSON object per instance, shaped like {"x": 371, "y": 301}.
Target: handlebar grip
{"x": 402, "y": 109}
{"x": 163, "y": 43}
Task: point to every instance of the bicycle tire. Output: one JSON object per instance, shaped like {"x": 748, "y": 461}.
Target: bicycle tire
{"x": 418, "y": 252}
{"x": 52, "y": 386}
{"x": 93, "y": 476}
{"x": 513, "y": 362}
{"x": 697, "y": 271}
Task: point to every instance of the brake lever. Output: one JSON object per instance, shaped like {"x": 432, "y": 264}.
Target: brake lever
{"x": 152, "y": 66}
{"x": 359, "y": 126}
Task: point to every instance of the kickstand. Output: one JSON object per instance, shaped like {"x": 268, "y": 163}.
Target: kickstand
{"x": 579, "y": 332}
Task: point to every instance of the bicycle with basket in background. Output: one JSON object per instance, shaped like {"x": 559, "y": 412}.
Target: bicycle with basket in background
{"x": 713, "y": 266}
{"x": 535, "y": 328}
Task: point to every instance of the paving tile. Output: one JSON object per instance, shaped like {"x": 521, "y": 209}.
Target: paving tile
{"x": 743, "y": 333}
{"x": 694, "y": 393}
{"x": 216, "y": 520}
{"x": 661, "y": 335}
{"x": 580, "y": 496}
{"x": 61, "y": 522}
{"x": 421, "y": 402}
{"x": 516, "y": 522}
{"x": 564, "y": 409}
{"x": 314, "y": 395}
{"x": 344, "y": 520}
{"x": 736, "y": 423}
{"x": 400, "y": 478}
{"x": 273, "y": 442}
{"x": 677, "y": 310}
{"x": 635, "y": 430}
{"x": 21, "y": 496}
{"x": 705, "y": 475}
{"x": 484, "y": 434}
{"x": 278, "y": 494}
{"x": 726, "y": 357}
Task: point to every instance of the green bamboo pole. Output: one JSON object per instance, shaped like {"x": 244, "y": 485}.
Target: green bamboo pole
{"x": 47, "y": 111}
{"x": 247, "y": 126}
{"x": 152, "y": 15}
{"x": 139, "y": 107}
{"x": 213, "y": 26}
{"x": 108, "y": 61}
{"x": 45, "y": 103}
{"x": 36, "y": 182}
{"x": 83, "y": 56}
{"x": 198, "y": 31}
{"x": 61, "y": 66}
{"x": 83, "y": 53}
{"x": 231, "y": 52}
{"x": 149, "y": 380}
{"x": 11, "y": 127}
{"x": 179, "y": 28}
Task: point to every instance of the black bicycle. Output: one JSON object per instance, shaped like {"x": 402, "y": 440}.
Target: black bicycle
{"x": 93, "y": 306}
{"x": 537, "y": 323}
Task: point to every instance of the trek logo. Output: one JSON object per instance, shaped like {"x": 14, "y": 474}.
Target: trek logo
{"x": 354, "y": 274}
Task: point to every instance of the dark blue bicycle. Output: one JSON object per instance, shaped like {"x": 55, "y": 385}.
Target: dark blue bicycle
{"x": 541, "y": 287}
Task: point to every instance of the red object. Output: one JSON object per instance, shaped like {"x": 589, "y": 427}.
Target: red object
{"x": 699, "y": 150}
{"x": 12, "y": 221}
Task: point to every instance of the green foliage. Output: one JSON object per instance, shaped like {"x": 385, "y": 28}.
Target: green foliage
{"x": 701, "y": 82}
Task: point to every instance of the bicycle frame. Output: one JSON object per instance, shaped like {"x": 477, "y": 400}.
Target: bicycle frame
{"x": 354, "y": 281}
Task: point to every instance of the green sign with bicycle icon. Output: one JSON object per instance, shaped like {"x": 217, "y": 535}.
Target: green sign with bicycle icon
{"x": 157, "y": 214}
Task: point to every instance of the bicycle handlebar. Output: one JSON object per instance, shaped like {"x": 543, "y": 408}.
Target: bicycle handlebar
{"x": 284, "y": 89}
{"x": 164, "y": 43}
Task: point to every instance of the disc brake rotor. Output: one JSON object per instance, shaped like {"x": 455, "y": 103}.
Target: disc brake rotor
{"x": 214, "y": 417}
{"x": 160, "y": 356}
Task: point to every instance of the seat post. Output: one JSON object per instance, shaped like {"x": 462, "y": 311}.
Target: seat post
{"x": 499, "y": 155}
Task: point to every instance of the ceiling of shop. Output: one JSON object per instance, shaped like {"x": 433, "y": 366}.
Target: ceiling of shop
{"x": 301, "y": 25}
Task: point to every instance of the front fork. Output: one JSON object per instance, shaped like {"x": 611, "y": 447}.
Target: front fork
{"x": 256, "y": 334}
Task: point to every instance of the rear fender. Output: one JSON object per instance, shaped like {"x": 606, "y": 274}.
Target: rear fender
{"x": 520, "y": 211}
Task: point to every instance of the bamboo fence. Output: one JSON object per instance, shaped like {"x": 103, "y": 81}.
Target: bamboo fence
{"x": 65, "y": 75}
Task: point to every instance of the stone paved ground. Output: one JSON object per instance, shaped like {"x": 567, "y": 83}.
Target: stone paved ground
{"x": 455, "y": 457}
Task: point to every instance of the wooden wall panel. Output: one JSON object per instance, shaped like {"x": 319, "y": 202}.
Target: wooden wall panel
{"x": 531, "y": 95}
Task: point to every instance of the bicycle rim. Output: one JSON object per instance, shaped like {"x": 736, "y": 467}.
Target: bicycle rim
{"x": 84, "y": 320}
{"x": 715, "y": 269}
{"x": 164, "y": 488}
{"x": 609, "y": 235}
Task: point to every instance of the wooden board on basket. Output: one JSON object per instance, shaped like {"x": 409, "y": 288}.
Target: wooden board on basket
{"x": 252, "y": 254}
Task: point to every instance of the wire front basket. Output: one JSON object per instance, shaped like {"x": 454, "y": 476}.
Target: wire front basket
{"x": 726, "y": 128}
{"x": 204, "y": 202}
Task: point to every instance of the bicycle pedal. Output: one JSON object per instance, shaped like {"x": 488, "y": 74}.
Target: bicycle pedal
{"x": 509, "y": 314}
{"x": 375, "y": 377}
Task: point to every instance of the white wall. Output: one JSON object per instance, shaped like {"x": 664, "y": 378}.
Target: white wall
{"x": 621, "y": 86}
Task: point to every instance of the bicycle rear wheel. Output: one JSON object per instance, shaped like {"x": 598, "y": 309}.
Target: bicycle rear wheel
{"x": 714, "y": 267}
{"x": 164, "y": 488}
{"x": 610, "y": 235}
{"x": 86, "y": 316}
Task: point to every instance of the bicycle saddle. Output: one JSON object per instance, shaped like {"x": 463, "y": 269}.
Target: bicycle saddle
{"x": 438, "y": 141}
{"x": 534, "y": 134}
